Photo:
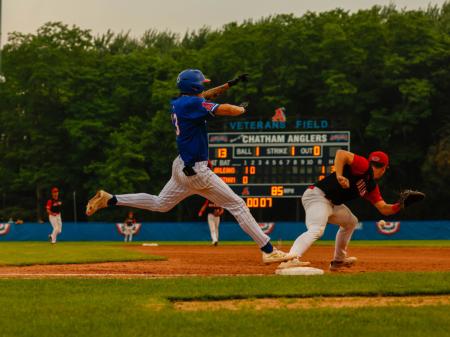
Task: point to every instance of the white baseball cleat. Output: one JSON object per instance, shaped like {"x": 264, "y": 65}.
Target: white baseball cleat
{"x": 295, "y": 262}
{"x": 346, "y": 263}
{"x": 276, "y": 256}
{"x": 99, "y": 201}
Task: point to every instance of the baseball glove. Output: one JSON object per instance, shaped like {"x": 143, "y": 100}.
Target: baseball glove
{"x": 409, "y": 197}
{"x": 244, "y": 105}
{"x": 218, "y": 211}
{"x": 236, "y": 80}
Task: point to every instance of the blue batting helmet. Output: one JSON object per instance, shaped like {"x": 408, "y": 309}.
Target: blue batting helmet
{"x": 190, "y": 81}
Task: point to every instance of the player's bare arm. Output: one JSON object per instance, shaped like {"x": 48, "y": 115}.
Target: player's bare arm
{"x": 387, "y": 209}
{"x": 229, "y": 110}
{"x": 202, "y": 210}
{"x": 213, "y": 93}
{"x": 341, "y": 159}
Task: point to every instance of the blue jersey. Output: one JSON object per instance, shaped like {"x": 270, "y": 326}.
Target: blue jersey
{"x": 189, "y": 116}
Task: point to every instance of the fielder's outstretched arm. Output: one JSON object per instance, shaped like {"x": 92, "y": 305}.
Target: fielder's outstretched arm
{"x": 387, "y": 209}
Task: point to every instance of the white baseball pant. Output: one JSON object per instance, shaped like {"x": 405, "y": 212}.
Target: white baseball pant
{"x": 213, "y": 222}
{"x": 205, "y": 183}
{"x": 320, "y": 211}
{"x": 56, "y": 222}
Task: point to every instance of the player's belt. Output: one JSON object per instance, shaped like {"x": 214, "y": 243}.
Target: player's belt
{"x": 189, "y": 171}
{"x": 312, "y": 187}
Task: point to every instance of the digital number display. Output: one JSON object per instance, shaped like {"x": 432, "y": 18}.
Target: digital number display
{"x": 260, "y": 166}
{"x": 256, "y": 202}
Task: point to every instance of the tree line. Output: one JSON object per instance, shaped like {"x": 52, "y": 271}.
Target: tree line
{"x": 82, "y": 111}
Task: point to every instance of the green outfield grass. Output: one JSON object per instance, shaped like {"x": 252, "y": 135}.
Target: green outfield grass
{"x": 29, "y": 253}
{"x": 143, "y": 307}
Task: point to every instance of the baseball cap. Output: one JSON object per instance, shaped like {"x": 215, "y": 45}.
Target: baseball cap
{"x": 379, "y": 157}
{"x": 55, "y": 189}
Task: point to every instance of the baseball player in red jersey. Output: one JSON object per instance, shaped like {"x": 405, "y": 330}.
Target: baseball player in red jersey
{"x": 214, "y": 214}
{"x": 53, "y": 208}
{"x": 355, "y": 176}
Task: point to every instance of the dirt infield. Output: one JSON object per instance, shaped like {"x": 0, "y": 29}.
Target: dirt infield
{"x": 241, "y": 260}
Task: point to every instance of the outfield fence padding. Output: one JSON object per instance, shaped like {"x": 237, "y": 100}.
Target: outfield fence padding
{"x": 229, "y": 231}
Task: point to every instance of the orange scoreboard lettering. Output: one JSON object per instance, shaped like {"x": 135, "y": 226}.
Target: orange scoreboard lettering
{"x": 276, "y": 191}
{"x": 222, "y": 152}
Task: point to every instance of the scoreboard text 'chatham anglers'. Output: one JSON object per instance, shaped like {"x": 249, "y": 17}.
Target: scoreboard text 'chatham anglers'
{"x": 262, "y": 165}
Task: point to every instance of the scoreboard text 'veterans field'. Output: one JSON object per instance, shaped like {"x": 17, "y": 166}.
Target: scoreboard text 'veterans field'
{"x": 261, "y": 165}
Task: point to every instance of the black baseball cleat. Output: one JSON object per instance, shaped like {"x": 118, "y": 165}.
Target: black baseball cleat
{"x": 346, "y": 263}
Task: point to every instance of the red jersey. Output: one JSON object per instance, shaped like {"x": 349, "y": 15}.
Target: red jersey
{"x": 362, "y": 184}
{"x": 54, "y": 206}
{"x": 210, "y": 206}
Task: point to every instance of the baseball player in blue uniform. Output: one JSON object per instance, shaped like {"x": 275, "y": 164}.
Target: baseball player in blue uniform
{"x": 190, "y": 112}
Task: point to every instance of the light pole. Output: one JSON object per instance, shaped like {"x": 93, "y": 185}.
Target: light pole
{"x": 74, "y": 204}
{"x": 2, "y": 78}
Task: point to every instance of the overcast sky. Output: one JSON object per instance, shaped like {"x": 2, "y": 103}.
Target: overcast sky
{"x": 178, "y": 16}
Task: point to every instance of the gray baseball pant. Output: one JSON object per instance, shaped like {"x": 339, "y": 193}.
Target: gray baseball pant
{"x": 205, "y": 183}
{"x": 320, "y": 211}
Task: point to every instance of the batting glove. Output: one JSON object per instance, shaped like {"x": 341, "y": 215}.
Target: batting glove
{"x": 236, "y": 80}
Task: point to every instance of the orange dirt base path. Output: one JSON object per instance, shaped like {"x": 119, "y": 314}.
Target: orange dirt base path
{"x": 243, "y": 260}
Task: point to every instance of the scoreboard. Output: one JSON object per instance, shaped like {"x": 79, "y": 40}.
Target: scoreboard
{"x": 261, "y": 165}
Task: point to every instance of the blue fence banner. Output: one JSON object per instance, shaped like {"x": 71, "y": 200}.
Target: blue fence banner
{"x": 229, "y": 231}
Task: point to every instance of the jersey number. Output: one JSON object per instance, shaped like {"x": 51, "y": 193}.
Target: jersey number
{"x": 175, "y": 123}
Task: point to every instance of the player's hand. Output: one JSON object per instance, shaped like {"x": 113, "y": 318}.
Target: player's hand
{"x": 343, "y": 181}
{"x": 200, "y": 213}
{"x": 218, "y": 211}
{"x": 236, "y": 80}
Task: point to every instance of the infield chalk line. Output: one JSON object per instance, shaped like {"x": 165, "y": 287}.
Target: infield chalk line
{"x": 112, "y": 275}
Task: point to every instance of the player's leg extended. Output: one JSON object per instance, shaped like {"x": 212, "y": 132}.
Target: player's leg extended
{"x": 53, "y": 222}
{"x": 347, "y": 222}
{"x": 211, "y": 187}
{"x": 169, "y": 196}
{"x": 221, "y": 194}
{"x": 317, "y": 210}
{"x": 59, "y": 224}
{"x": 217, "y": 227}
{"x": 212, "y": 227}
{"x": 175, "y": 190}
